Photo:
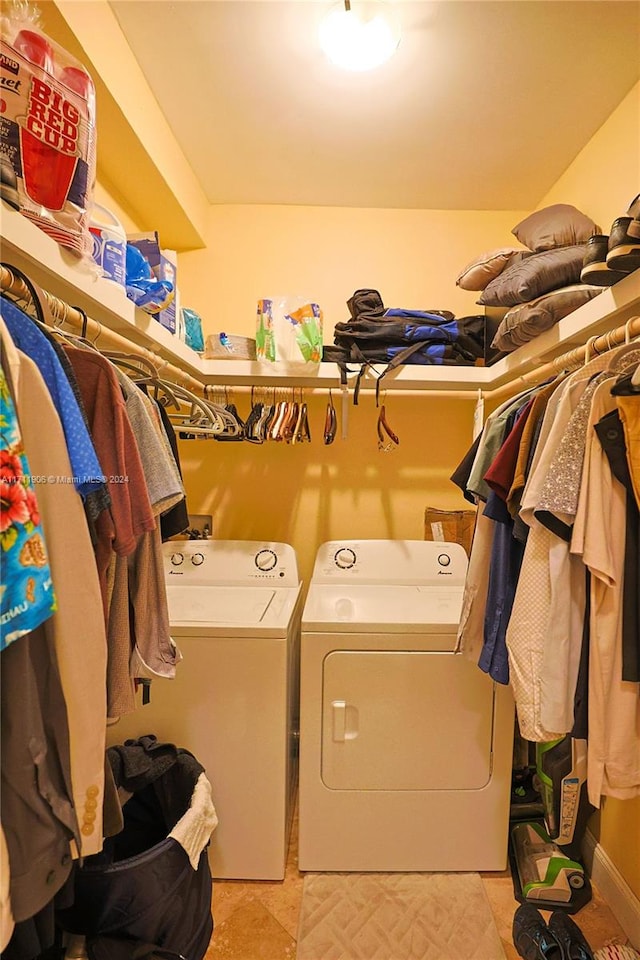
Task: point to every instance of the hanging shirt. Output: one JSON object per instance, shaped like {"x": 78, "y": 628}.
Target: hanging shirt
{"x": 130, "y": 513}
{"x": 530, "y": 625}
{"x": 613, "y": 752}
{"x": 611, "y": 435}
{"x": 87, "y": 472}
{"x": 506, "y": 551}
{"x": 629, "y": 407}
{"x": 138, "y": 612}
{"x": 556, "y": 509}
{"x": 97, "y": 500}
{"x": 27, "y": 597}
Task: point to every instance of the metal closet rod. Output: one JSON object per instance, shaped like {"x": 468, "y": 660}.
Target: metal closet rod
{"x": 110, "y": 339}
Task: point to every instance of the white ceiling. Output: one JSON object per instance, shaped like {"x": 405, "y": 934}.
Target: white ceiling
{"x": 483, "y": 107}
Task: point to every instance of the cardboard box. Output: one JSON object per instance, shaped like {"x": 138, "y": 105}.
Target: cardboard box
{"x": 450, "y": 526}
{"x": 164, "y": 265}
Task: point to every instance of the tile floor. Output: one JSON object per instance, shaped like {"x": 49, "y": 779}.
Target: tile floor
{"x": 258, "y": 920}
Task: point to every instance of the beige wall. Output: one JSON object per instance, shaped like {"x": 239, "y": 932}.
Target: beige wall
{"x": 605, "y": 176}
{"x": 308, "y": 494}
{"x": 620, "y": 838}
{"x": 325, "y": 253}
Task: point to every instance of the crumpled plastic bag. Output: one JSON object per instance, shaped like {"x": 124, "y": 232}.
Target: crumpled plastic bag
{"x": 149, "y": 294}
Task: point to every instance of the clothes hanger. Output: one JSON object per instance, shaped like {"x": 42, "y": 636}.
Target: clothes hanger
{"x": 291, "y": 418}
{"x": 301, "y": 431}
{"x": 383, "y": 427}
{"x": 275, "y": 430}
{"x": 252, "y": 420}
{"x": 203, "y": 419}
{"x": 234, "y": 428}
{"x": 330, "y": 422}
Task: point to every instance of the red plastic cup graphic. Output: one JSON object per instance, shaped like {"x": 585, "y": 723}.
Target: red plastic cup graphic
{"x": 47, "y": 173}
{"x": 78, "y": 80}
{"x": 35, "y": 48}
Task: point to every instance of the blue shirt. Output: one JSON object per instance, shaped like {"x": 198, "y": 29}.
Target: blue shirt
{"x": 87, "y": 472}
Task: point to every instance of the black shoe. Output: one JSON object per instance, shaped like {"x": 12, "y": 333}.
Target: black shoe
{"x": 569, "y": 935}
{"x": 634, "y": 208}
{"x": 624, "y": 249}
{"x": 532, "y": 938}
{"x": 595, "y": 268}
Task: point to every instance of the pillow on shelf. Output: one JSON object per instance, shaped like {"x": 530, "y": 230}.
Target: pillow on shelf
{"x": 530, "y": 278}
{"x": 526, "y": 321}
{"x": 560, "y": 225}
{"x": 487, "y": 266}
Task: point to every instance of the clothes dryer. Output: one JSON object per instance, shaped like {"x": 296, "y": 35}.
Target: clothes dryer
{"x": 234, "y": 609}
{"x": 405, "y": 745}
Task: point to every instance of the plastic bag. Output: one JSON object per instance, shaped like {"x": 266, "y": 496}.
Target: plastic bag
{"x": 149, "y": 294}
{"x": 47, "y": 132}
{"x": 289, "y": 329}
{"x": 193, "y": 336}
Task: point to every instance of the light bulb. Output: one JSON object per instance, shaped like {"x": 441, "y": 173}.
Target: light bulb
{"x": 359, "y": 38}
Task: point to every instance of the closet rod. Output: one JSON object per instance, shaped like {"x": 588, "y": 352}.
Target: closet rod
{"x": 595, "y": 345}
{"x": 108, "y": 338}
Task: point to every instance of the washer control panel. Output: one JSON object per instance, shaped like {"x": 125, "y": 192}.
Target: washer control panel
{"x": 266, "y": 560}
{"x": 345, "y": 558}
{"x": 391, "y": 561}
{"x": 231, "y": 562}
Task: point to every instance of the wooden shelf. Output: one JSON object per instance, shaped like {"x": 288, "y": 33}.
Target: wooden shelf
{"x": 56, "y": 270}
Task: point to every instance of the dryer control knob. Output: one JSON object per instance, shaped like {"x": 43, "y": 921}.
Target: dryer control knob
{"x": 345, "y": 558}
{"x": 197, "y": 559}
{"x": 444, "y": 559}
{"x": 266, "y": 560}
{"x": 177, "y": 559}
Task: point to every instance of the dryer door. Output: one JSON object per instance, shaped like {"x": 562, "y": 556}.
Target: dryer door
{"x": 405, "y": 720}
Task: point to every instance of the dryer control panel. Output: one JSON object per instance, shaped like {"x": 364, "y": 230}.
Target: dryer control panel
{"x": 420, "y": 562}
{"x": 230, "y": 562}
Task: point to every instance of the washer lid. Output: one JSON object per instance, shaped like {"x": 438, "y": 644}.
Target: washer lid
{"x": 395, "y": 609}
{"x": 238, "y": 610}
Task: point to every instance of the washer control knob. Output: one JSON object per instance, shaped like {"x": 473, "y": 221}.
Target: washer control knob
{"x": 345, "y": 558}
{"x": 266, "y": 560}
{"x": 197, "y": 559}
{"x": 177, "y": 559}
{"x": 444, "y": 559}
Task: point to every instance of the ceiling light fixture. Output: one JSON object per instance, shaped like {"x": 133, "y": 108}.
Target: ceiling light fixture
{"x": 361, "y": 38}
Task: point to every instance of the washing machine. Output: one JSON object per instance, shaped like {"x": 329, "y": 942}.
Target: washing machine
{"x": 405, "y": 745}
{"x": 235, "y": 609}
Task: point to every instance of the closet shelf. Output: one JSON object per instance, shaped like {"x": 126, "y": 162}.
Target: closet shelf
{"x": 56, "y": 270}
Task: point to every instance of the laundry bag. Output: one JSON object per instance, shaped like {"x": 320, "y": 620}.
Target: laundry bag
{"x": 149, "y": 890}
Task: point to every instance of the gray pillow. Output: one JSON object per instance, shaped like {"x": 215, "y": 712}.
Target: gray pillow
{"x": 526, "y": 321}
{"x": 559, "y": 225}
{"x": 530, "y": 278}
